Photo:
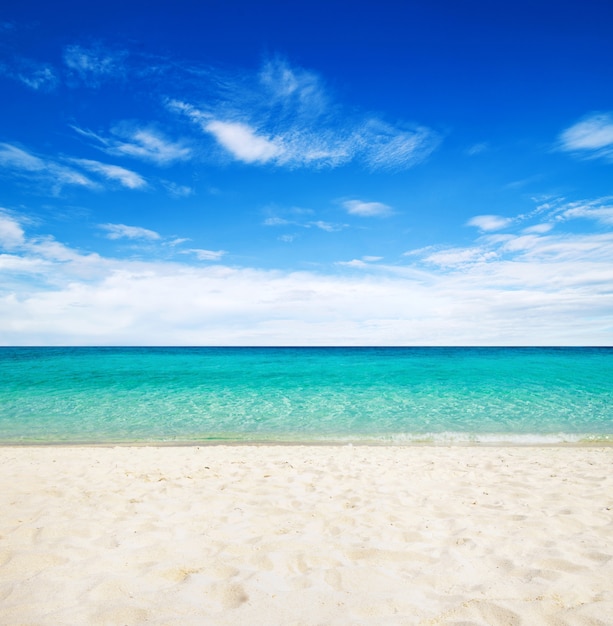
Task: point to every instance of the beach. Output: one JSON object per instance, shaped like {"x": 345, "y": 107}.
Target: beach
{"x": 299, "y": 534}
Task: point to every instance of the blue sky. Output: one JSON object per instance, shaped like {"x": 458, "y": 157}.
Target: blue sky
{"x": 274, "y": 173}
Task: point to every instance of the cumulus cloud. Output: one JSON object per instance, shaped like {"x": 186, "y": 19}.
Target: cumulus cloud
{"x": 591, "y": 137}
{"x": 121, "y": 231}
{"x": 367, "y": 209}
{"x": 283, "y": 116}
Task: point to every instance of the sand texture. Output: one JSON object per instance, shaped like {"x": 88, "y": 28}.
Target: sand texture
{"x": 287, "y": 535}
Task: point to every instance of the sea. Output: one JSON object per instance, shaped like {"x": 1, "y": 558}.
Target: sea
{"x": 294, "y": 395}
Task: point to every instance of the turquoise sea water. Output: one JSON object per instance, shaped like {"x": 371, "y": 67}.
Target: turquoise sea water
{"x": 387, "y": 395}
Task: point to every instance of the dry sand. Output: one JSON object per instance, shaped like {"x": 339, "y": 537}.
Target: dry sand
{"x": 265, "y": 535}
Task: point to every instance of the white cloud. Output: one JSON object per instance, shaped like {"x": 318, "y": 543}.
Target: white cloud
{"x": 593, "y": 211}
{"x": 367, "y": 209}
{"x": 149, "y": 145}
{"x": 593, "y": 136}
{"x": 206, "y": 255}
{"x": 538, "y": 228}
{"x": 177, "y": 191}
{"x": 383, "y": 146}
{"x": 127, "y": 178}
{"x": 32, "y": 74}
{"x": 478, "y": 148}
{"x": 14, "y": 157}
{"x": 92, "y": 65}
{"x": 327, "y": 226}
{"x": 47, "y": 171}
{"x": 276, "y": 221}
{"x": 514, "y": 289}
{"x": 489, "y": 222}
{"x": 121, "y": 231}
{"x": 284, "y": 117}
{"x": 242, "y": 142}
{"x": 177, "y": 241}
{"x": 364, "y": 263}
{"x": 38, "y": 76}
{"x": 140, "y": 143}
{"x": 11, "y": 232}
{"x": 460, "y": 256}
{"x": 517, "y": 303}
{"x": 293, "y": 90}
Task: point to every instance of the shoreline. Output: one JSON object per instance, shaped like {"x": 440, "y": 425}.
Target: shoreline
{"x": 240, "y": 443}
{"x": 448, "y": 439}
{"x": 306, "y": 444}
{"x": 306, "y": 534}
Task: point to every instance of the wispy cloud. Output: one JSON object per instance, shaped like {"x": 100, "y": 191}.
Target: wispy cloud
{"x": 330, "y": 227}
{"x": 41, "y": 78}
{"x": 16, "y": 158}
{"x": 121, "y": 231}
{"x": 95, "y": 64}
{"x": 33, "y": 74}
{"x": 176, "y": 190}
{"x": 126, "y": 178}
{"x": 48, "y": 172}
{"x": 478, "y": 148}
{"x": 37, "y": 76}
{"x": 598, "y": 210}
{"x": 55, "y": 174}
{"x": 139, "y": 142}
{"x": 206, "y": 255}
{"x": 591, "y": 137}
{"x": 284, "y": 116}
{"x": 367, "y": 209}
{"x": 536, "y": 243}
{"x": 12, "y": 234}
{"x": 36, "y": 256}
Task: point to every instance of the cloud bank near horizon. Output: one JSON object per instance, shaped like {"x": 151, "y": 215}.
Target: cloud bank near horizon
{"x": 516, "y": 288}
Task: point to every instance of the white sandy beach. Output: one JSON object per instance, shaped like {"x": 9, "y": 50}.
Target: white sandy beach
{"x": 306, "y": 535}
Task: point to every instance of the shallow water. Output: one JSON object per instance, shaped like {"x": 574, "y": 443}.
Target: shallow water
{"x": 388, "y": 395}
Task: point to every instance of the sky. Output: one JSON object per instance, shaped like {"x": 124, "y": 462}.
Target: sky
{"x": 306, "y": 173}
